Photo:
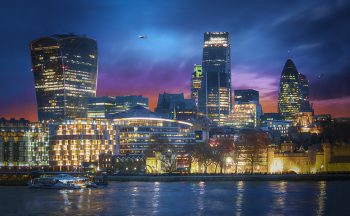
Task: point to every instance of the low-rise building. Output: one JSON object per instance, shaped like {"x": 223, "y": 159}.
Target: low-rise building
{"x": 23, "y": 143}
{"x": 73, "y": 142}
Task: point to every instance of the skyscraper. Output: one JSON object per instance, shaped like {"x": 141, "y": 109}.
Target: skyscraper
{"x": 293, "y": 91}
{"x": 196, "y": 82}
{"x": 215, "y": 94}
{"x": 65, "y": 73}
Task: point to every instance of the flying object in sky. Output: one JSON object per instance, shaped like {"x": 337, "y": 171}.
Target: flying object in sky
{"x": 142, "y": 36}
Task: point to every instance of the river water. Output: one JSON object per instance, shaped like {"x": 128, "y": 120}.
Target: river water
{"x": 183, "y": 198}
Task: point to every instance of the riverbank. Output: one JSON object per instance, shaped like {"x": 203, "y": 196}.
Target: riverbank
{"x": 255, "y": 177}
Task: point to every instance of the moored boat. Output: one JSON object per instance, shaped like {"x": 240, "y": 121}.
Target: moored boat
{"x": 61, "y": 181}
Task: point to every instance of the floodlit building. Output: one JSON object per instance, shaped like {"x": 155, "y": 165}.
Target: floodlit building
{"x": 23, "y": 143}
{"x": 287, "y": 158}
{"x": 73, "y": 142}
{"x": 215, "y": 97}
{"x": 65, "y": 73}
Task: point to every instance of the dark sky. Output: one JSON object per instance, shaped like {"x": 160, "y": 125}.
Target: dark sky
{"x": 317, "y": 33}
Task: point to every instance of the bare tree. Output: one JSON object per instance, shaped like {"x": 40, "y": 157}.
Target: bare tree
{"x": 167, "y": 152}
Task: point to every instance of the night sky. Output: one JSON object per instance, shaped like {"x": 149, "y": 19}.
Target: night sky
{"x": 317, "y": 33}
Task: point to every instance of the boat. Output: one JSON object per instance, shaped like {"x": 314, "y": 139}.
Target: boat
{"x": 61, "y": 181}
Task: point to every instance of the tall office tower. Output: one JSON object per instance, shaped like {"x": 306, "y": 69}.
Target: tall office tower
{"x": 246, "y": 99}
{"x": 65, "y": 74}
{"x": 293, "y": 91}
{"x": 215, "y": 95}
{"x": 196, "y": 82}
{"x": 246, "y": 96}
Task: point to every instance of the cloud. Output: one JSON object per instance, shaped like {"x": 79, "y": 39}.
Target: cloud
{"x": 331, "y": 86}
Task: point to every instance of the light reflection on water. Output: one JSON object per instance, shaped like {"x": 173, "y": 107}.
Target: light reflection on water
{"x": 239, "y": 199}
{"x": 322, "y": 196}
{"x": 182, "y": 198}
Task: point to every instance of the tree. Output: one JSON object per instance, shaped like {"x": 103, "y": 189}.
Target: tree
{"x": 222, "y": 148}
{"x": 167, "y": 152}
{"x": 201, "y": 152}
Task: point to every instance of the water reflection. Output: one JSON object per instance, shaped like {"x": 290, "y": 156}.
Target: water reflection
{"x": 200, "y": 198}
{"x": 239, "y": 199}
{"x": 155, "y": 197}
{"x": 66, "y": 202}
{"x": 322, "y": 196}
{"x": 182, "y": 198}
{"x": 279, "y": 193}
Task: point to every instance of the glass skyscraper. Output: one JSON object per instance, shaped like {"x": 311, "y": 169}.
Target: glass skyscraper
{"x": 196, "y": 83}
{"x": 215, "y": 94}
{"x": 65, "y": 73}
{"x": 293, "y": 91}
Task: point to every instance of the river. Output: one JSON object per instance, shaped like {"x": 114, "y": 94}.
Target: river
{"x": 184, "y": 198}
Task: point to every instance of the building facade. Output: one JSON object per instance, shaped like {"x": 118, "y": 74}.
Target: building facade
{"x": 215, "y": 95}
{"x": 100, "y": 107}
{"x": 125, "y": 103}
{"x": 137, "y": 133}
{"x": 73, "y": 142}
{"x": 23, "y": 143}
{"x": 246, "y": 96}
{"x": 243, "y": 116}
{"x": 65, "y": 74}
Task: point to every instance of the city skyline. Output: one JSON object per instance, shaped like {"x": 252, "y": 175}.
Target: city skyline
{"x": 166, "y": 57}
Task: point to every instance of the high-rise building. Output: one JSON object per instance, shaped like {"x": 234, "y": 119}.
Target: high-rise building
{"x": 246, "y": 96}
{"x": 65, "y": 73}
{"x": 196, "y": 83}
{"x": 293, "y": 91}
{"x": 215, "y": 95}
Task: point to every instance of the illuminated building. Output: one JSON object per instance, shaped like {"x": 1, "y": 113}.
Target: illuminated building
{"x": 293, "y": 91}
{"x": 269, "y": 117}
{"x": 100, "y": 107}
{"x": 246, "y": 96}
{"x": 280, "y": 126}
{"x": 331, "y": 158}
{"x": 23, "y": 143}
{"x": 196, "y": 82}
{"x": 73, "y": 142}
{"x": 175, "y": 106}
{"x": 137, "y": 133}
{"x": 125, "y": 103}
{"x": 65, "y": 73}
{"x": 243, "y": 116}
{"x": 215, "y": 94}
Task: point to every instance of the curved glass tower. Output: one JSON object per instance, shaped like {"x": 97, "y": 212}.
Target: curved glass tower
{"x": 65, "y": 74}
{"x": 293, "y": 91}
{"x": 215, "y": 94}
